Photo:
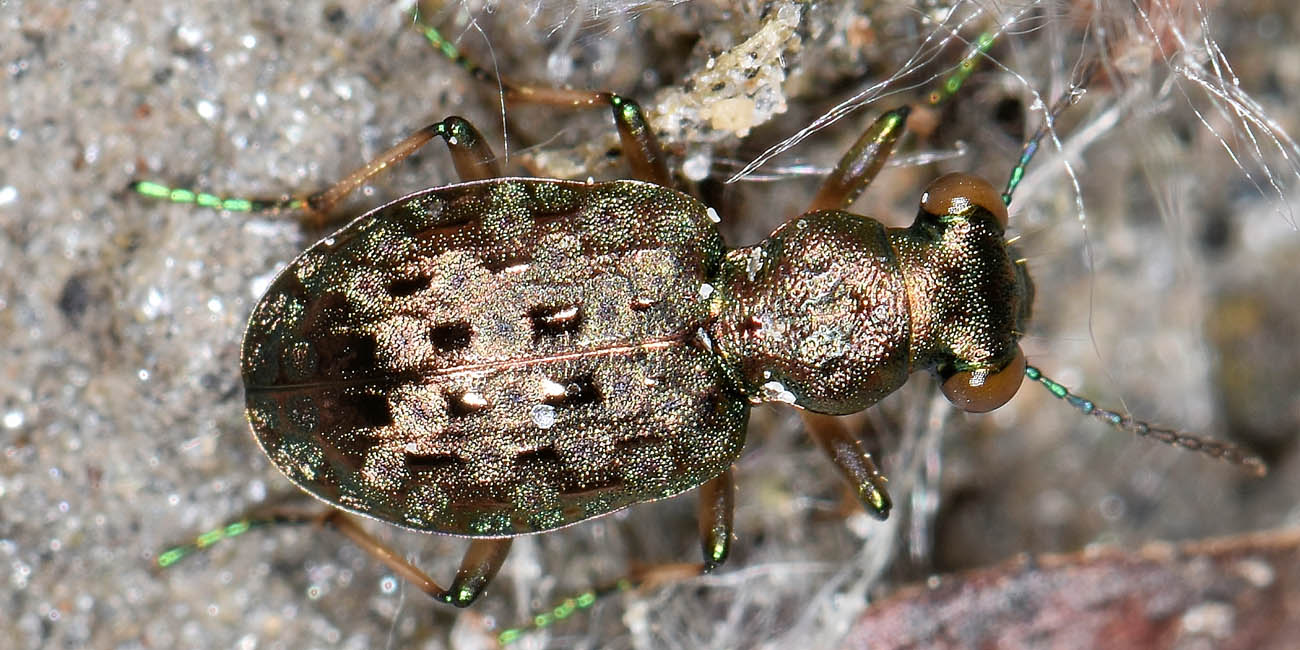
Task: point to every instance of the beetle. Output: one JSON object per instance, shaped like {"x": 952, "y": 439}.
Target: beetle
{"x": 506, "y": 356}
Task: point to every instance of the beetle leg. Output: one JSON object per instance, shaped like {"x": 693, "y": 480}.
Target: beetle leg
{"x": 717, "y": 508}
{"x": 482, "y": 561}
{"x": 641, "y": 148}
{"x": 470, "y": 153}
{"x": 471, "y": 156}
{"x": 320, "y": 203}
{"x": 852, "y": 460}
{"x": 861, "y": 162}
{"x": 480, "y": 565}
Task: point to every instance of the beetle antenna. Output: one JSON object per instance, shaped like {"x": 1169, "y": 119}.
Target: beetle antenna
{"x": 1212, "y": 448}
{"x": 1030, "y": 148}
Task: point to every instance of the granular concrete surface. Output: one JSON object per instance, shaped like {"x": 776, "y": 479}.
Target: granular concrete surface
{"x": 122, "y": 429}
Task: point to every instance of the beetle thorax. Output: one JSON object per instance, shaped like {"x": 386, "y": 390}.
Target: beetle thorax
{"x": 817, "y": 314}
{"x": 834, "y": 311}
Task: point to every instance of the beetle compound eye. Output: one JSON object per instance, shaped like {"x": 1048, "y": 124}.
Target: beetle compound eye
{"x": 955, "y": 194}
{"x": 981, "y": 391}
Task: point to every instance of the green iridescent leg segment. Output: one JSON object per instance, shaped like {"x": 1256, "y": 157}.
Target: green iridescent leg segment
{"x": 318, "y": 204}
{"x": 563, "y": 609}
{"x": 477, "y": 569}
{"x": 231, "y": 530}
{"x": 640, "y": 145}
{"x": 471, "y": 156}
{"x": 859, "y": 166}
{"x": 954, "y": 81}
{"x": 717, "y": 508}
{"x": 481, "y": 563}
{"x": 482, "y": 560}
{"x": 514, "y": 91}
{"x": 853, "y": 461}
{"x": 449, "y": 49}
{"x": 716, "y": 515}
{"x": 208, "y": 200}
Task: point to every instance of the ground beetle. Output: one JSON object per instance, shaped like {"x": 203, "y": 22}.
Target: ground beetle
{"x": 507, "y": 356}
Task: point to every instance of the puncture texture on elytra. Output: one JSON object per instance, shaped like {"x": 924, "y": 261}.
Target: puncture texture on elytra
{"x": 510, "y": 356}
{"x": 498, "y": 357}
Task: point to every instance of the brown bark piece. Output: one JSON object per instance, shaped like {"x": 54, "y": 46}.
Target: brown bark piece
{"x": 1239, "y": 592}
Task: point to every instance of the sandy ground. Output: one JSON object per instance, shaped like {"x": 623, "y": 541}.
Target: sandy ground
{"x": 121, "y": 410}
